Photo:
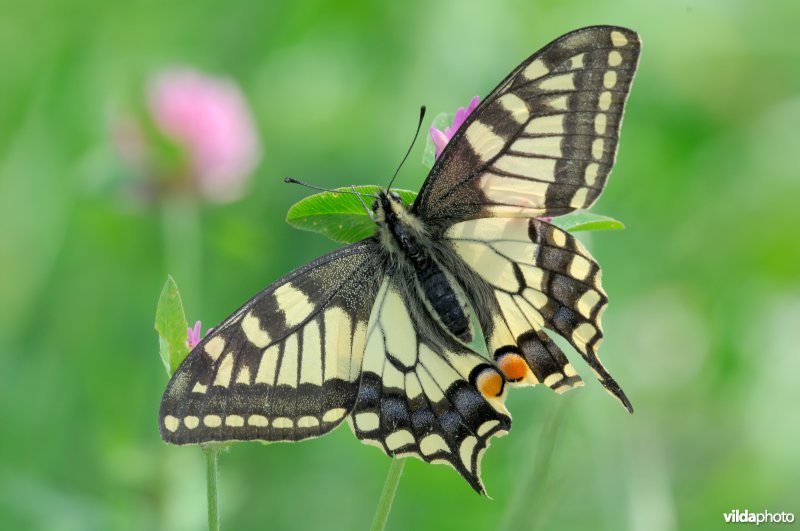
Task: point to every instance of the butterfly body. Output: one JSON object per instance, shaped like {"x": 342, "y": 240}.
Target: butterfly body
{"x": 378, "y": 332}
{"x": 407, "y": 239}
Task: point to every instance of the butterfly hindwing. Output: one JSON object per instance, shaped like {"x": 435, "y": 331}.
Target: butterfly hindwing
{"x": 540, "y": 277}
{"x": 544, "y": 141}
{"x": 286, "y": 365}
{"x": 417, "y": 394}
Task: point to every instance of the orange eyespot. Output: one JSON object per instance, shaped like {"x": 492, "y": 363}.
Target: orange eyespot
{"x": 512, "y": 366}
{"x": 490, "y": 383}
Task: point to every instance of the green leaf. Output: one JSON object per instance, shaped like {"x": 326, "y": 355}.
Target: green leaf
{"x": 340, "y": 217}
{"x": 171, "y": 326}
{"x": 583, "y": 220}
{"x": 441, "y": 121}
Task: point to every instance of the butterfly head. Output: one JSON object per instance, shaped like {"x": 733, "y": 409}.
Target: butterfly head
{"x": 388, "y": 205}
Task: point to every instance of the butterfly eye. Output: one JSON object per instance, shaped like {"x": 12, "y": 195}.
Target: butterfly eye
{"x": 395, "y": 196}
{"x": 375, "y": 205}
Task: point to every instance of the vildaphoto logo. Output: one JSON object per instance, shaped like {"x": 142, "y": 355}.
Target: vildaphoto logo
{"x": 765, "y": 517}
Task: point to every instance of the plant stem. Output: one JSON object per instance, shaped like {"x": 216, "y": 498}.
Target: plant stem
{"x": 387, "y": 496}
{"x": 211, "y": 453}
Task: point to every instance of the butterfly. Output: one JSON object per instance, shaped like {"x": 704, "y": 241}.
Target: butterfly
{"x": 378, "y": 332}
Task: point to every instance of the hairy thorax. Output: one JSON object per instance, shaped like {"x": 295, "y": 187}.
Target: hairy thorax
{"x": 406, "y": 239}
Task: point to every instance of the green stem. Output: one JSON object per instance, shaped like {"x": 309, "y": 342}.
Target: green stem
{"x": 387, "y": 496}
{"x": 211, "y": 453}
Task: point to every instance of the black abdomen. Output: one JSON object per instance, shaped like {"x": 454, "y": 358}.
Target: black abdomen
{"x": 443, "y": 299}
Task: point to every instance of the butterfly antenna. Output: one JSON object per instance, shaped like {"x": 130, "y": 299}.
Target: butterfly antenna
{"x": 419, "y": 126}
{"x": 369, "y": 211}
{"x": 292, "y": 180}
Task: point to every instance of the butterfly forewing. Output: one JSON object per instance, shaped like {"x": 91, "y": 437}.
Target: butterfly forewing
{"x": 544, "y": 141}
{"x": 286, "y": 365}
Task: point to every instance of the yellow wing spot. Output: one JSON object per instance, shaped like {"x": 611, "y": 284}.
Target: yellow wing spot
{"x": 535, "y": 70}
{"x": 610, "y": 79}
{"x": 224, "y": 371}
{"x": 542, "y": 169}
{"x": 580, "y": 267}
{"x": 251, "y": 326}
{"x": 604, "y": 102}
{"x": 412, "y": 386}
{"x": 558, "y": 83}
{"x": 600, "y": 122}
{"x": 259, "y": 421}
{"x": 614, "y": 58}
{"x": 484, "y": 142}
{"x": 244, "y": 376}
{"x": 367, "y": 421}
{"x": 432, "y": 444}
{"x": 582, "y": 334}
{"x": 579, "y": 199}
{"x": 487, "y": 426}
{"x": 212, "y": 421}
{"x": 618, "y": 39}
{"x": 282, "y": 423}
{"x": 533, "y": 275}
{"x": 307, "y": 422}
{"x": 553, "y": 379}
{"x": 287, "y": 375}
{"x": 528, "y": 194}
{"x": 590, "y": 174}
{"x": 465, "y": 451}
{"x": 515, "y": 106}
{"x": 597, "y": 148}
{"x": 586, "y": 304}
{"x": 400, "y": 335}
{"x": 545, "y": 146}
{"x": 535, "y": 297}
{"x": 399, "y": 439}
{"x": 338, "y": 328}
{"x": 191, "y": 422}
{"x": 559, "y": 238}
{"x": 576, "y": 61}
{"x": 544, "y": 125}
{"x": 311, "y": 361}
{"x": 559, "y": 103}
{"x": 199, "y": 388}
{"x": 569, "y": 370}
{"x": 234, "y": 421}
{"x": 171, "y": 423}
{"x": 214, "y": 347}
{"x": 296, "y": 306}
{"x": 333, "y": 415}
{"x": 268, "y": 365}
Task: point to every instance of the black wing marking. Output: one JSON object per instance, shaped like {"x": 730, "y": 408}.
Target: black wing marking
{"x": 418, "y": 394}
{"x": 539, "y": 277}
{"x": 544, "y": 141}
{"x": 286, "y": 365}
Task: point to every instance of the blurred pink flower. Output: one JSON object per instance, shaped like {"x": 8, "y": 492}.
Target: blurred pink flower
{"x": 209, "y": 117}
{"x": 441, "y": 138}
{"x": 194, "y": 335}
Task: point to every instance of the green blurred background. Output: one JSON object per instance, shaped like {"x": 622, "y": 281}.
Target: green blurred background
{"x": 704, "y": 284}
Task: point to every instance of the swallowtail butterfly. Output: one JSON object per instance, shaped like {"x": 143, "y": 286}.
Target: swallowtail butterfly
{"x": 377, "y": 333}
